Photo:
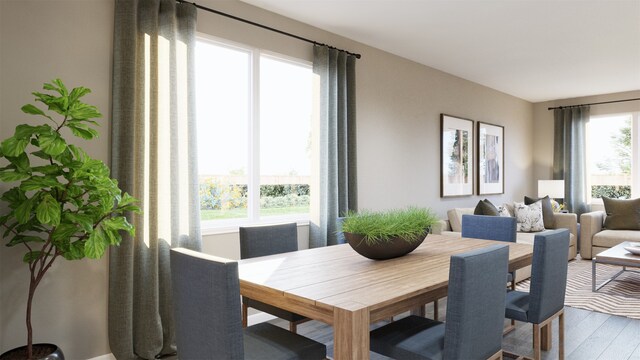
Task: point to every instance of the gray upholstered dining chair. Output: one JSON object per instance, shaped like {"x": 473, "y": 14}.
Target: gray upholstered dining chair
{"x": 499, "y": 228}
{"x": 206, "y": 299}
{"x": 474, "y": 320}
{"x": 545, "y": 299}
{"x": 262, "y": 241}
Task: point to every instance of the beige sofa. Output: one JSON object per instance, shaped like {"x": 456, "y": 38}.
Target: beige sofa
{"x": 594, "y": 238}
{"x": 453, "y": 227}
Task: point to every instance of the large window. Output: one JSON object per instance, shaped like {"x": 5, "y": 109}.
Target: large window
{"x": 254, "y": 131}
{"x": 612, "y": 156}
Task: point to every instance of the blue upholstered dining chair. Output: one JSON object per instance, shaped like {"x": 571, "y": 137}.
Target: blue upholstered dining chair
{"x": 340, "y": 234}
{"x": 262, "y": 241}
{"x": 206, "y": 300}
{"x": 499, "y": 228}
{"x": 473, "y": 327}
{"x": 545, "y": 299}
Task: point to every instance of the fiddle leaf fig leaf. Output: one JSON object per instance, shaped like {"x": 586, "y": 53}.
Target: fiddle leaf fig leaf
{"x": 8, "y": 176}
{"x": 31, "y": 109}
{"x": 14, "y": 146}
{"x": 32, "y": 256}
{"x": 23, "y": 211}
{"x": 76, "y": 251}
{"x": 48, "y": 211}
{"x": 39, "y": 182}
{"x": 52, "y": 143}
{"x": 96, "y": 244}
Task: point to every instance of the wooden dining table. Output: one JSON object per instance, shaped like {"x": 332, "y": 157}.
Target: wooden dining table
{"x": 339, "y": 287}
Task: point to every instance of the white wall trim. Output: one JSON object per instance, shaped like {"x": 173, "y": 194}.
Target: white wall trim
{"x": 104, "y": 357}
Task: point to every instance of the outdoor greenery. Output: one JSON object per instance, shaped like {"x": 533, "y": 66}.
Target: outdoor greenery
{"x": 227, "y": 201}
{"x": 611, "y": 191}
{"x": 63, "y": 203}
{"x": 408, "y": 224}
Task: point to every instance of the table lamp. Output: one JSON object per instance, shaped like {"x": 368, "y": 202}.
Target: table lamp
{"x": 553, "y": 188}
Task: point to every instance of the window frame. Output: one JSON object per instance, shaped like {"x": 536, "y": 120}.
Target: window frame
{"x": 209, "y": 227}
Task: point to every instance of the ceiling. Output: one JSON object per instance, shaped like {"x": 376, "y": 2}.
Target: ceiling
{"x": 536, "y": 50}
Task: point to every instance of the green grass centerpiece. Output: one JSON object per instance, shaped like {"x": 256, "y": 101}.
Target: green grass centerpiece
{"x": 387, "y": 234}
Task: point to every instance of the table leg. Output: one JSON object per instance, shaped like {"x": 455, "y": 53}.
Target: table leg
{"x": 593, "y": 275}
{"x": 351, "y": 333}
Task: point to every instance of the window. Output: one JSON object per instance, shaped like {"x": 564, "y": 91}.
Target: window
{"x": 254, "y": 131}
{"x": 612, "y": 156}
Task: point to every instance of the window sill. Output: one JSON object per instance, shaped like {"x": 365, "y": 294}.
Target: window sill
{"x": 232, "y": 227}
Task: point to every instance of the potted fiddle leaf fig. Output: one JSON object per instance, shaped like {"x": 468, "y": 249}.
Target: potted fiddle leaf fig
{"x": 61, "y": 203}
{"x": 381, "y": 235}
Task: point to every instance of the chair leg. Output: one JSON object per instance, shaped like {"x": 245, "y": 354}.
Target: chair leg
{"x": 245, "y": 314}
{"x": 293, "y": 327}
{"x": 546, "y": 337}
{"x": 536, "y": 342}
{"x": 435, "y": 310}
{"x": 561, "y": 336}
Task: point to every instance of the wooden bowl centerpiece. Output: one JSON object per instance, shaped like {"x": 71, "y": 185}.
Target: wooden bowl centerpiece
{"x": 387, "y": 234}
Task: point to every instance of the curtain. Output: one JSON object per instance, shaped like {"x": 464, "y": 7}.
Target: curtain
{"x": 337, "y": 190}
{"x": 154, "y": 159}
{"x": 569, "y": 155}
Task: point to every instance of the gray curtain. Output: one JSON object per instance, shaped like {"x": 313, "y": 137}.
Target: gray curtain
{"x": 337, "y": 175}
{"x": 569, "y": 156}
{"x": 153, "y": 159}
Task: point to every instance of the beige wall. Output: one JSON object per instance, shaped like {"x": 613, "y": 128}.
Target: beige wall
{"x": 399, "y": 103}
{"x": 41, "y": 40}
{"x": 543, "y": 124}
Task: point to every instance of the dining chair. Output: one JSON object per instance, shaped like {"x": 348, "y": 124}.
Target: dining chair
{"x": 206, "y": 308}
{"x": 499, "y": 228}
{"x": 474, "y": 318}
{"x": 262, "y": 241}
{"x": 545, "y": 299}
{"x": 340, "y": 234}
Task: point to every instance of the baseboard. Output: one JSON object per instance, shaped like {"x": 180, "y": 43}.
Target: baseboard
{"x": 104, "y": 357}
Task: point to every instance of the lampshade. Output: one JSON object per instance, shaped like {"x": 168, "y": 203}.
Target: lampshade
{"x": 553, "y": 188}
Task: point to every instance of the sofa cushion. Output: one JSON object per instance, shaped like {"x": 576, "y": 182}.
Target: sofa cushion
{"x": 611, "y": 238}
{"x": 529, "y": 217}
{"x": 455, "y": 217}
{"x": 485, "y": 207}
{"x": 547, "y": 210}
{"x": 622, "y": 214}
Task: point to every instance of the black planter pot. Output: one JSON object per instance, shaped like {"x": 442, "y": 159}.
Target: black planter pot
{"x": 40, "y": 352}
{"x": 393, "y": 248}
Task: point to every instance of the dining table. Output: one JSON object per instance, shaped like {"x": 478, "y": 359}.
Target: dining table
{"x": 339, "y": 287}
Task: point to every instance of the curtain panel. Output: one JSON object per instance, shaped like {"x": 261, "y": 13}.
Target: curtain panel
{"x": 337, "y": 190}
{"x": 153, "y": 159}
{"x": 569, "y": 155}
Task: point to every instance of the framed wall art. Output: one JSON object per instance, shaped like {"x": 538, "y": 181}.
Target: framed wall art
{"x": 456, "y": 156}
{"x": 490, "y": 159}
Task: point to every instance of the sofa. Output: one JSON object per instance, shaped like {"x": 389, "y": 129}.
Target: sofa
{"x": 594, "y": 238}
{"x": 452, "y": 226}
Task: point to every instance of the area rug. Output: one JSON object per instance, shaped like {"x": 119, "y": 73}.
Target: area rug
{"x": 619, "y": 297}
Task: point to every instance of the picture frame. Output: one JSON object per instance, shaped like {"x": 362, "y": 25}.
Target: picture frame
{"x": 456, "y": 156}
{"x": 490, "y": 150}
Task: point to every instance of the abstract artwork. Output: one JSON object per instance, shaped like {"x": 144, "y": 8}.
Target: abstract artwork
{"x": 490, "y": 159}
{"x": 456, "y": 156}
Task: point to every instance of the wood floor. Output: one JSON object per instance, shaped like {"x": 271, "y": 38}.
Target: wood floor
{"x": 588, "y": 335}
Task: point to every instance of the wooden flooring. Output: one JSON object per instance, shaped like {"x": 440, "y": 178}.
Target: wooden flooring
{"x": 588, "y": 335}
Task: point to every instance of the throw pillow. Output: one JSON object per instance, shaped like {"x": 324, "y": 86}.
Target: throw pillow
{"x": 529, "y": 217}
{"x": 485, "y": 207}
{"x": 547, "y": 210}
{"x": 622, "y": 214}
{"x": 504, "y": 210}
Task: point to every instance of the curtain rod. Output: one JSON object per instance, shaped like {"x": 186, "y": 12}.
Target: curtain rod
{"x": 358, "y": 56}
{"x": 598, "y": 103}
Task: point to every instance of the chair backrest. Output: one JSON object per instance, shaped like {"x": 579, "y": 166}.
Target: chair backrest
{"x": 500, "y": 228}
{"x": 548, "y": 274}
{"x": 206, "y": 306}
{"x": 268, "y": 240}
{"x": 475, "y": 303}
